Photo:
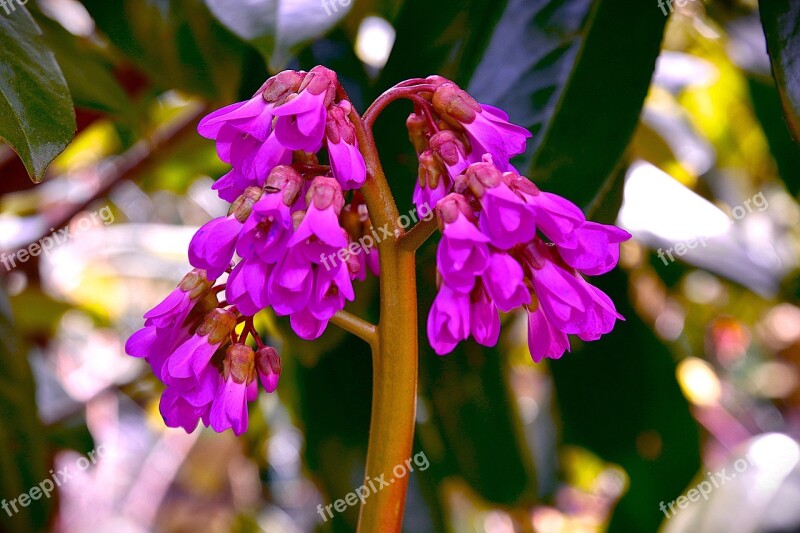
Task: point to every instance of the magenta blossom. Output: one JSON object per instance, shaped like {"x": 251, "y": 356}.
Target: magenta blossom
{"x": 463, "y": 251}
{"x": 301, "y": 119}
{"x": 488, "y": 129}
{"x": 347, "y": 163}
{"x": 448, "y": 320}
{"x": 490, "y": 255}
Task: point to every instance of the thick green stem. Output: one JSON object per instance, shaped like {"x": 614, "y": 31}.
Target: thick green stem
{"x": 394, "y": 358}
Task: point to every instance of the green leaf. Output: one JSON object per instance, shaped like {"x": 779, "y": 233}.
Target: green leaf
{"x": 567, "y": 71}
{"x": 36, "y": 115}
{"x": 22, "y": 436}
{"x": 781, "y": 21}
{"x": 178, "y": 43}
{"x": 88, "y": 74}
{"x": 278, "y": 29}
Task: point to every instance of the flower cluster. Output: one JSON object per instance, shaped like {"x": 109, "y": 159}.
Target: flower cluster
{"x": 294, "y": 235}
{"x": 184, "y": 340}
{"x": 492, "y": 258}
{"x": 288, "y": 213}
{"x": 450, "y": 130}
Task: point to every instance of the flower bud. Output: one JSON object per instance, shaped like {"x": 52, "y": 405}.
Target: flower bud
{"x": 418, "y": 132}
{"x": 268, "y": 365}
{"x": 338, "y": 126}
{"x": 319, "y": 80}
{"x": 217, "y": 325}
{"x": 239, "y": 363}
{"x": 280, "y": 86}
{"x": 454, "y": 104}
{"x": 521, "y": 183}
{"x": 243, "y": 205}
{"x": 430, "y": 170}
{"x": 482, "y": 176}
{"x": 451, "y": 207}
{"x": 324, "y": 193}
{"x": 196, "y": 283}
{"x": 353, "y": 264}
{"x": 286, "y": 179}
{"x": 449, "y": 147}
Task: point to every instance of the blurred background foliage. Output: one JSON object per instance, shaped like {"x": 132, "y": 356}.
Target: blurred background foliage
{"x": 672, "y": 126}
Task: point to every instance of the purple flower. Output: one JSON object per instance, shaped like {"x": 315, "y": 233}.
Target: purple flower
{"x": 594, "y": 248}
{"x": 448, "y": 320}
{"x": 178, "y": 413}
{"x": 319, "y": 234}
{"x": 193, "y": 356}
{"x": 506, "y": 218}
{"x": 247, "y": 286}
{"x": 331, "y": 289}
{"x": 301, "y": 120}
{"x": 347, "y": 163}
{"x": 484, "y": 317}
{"x": 229, "y": 408}
{"x": 213, "y": 245}
{"x": 434, "y": 182}
{"x": 488, "y": 129}
{"x": 556, "y": 217}
{"x": 251, "y": 117}
{"x": 266, "y": 233}
{"x": 290, "y": 284}
{"x": 463, "y": 252}
{"x": 571, "y": 305}
{"x": 504, "y": 281}
{"x": 544, "y": 340}
{"x": 492, "y": 133}
{"x": 164, "y": 324}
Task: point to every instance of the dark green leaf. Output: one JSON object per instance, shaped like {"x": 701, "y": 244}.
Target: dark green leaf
{"x": 22, "y": 437}
{"x": 88, "y": 74}
{"x": 566, "y": 70}
{"x": 781, "y": 21}
{"x": 178, "y": 43}
{"x": 36, "y": 115}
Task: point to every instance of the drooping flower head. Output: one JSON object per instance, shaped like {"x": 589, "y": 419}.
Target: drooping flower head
{"x": 492, "y": 256}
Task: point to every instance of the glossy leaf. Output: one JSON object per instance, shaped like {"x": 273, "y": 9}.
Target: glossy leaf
{"x": 37, "y": 118}
{"x": 567, "y": 71}
{"x": 178, "y": 43}
{"x": 89, "y": 75}
{"x": 781, "y": 21}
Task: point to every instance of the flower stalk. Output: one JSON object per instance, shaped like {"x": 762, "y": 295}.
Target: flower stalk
{"x": 394, "y": 357}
